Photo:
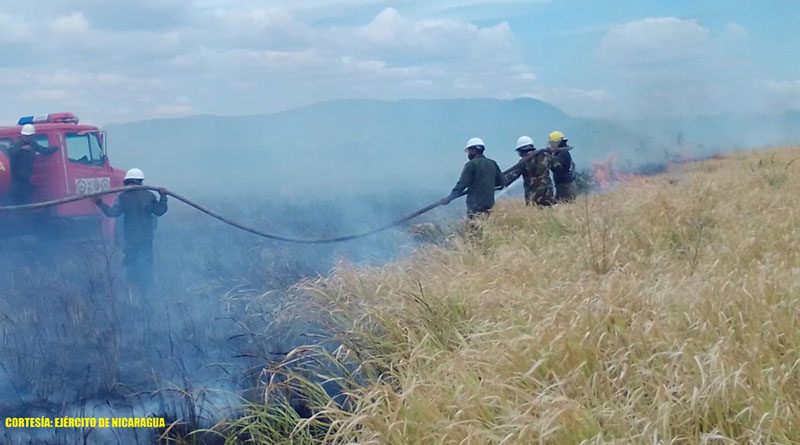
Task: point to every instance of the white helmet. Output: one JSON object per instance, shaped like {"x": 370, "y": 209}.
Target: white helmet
{"x": 28, "y": 130}
{"x": 134, "y": 173}
{"x": 524, "y": 141}
{"x": 475, "y": 143}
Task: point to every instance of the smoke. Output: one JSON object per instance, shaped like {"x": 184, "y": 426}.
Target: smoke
{"x": 76, "y": 340}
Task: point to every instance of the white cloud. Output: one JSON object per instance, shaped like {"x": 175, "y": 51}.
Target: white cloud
{"x": 790, "y": 87}
{"x": 667, "y": 66}
{"x": 259, "y": 17}
{"x": 275, "y": 60}
{"x": 387, "y": 28}
{"x": 82, "y": 79}
{"x": 93, "y": 96}
{"x": 654, "y": 41}
{"x": 13, "y": 29}
{"x": 274, "y": 26}
{"x": 779, "y": 94}
{"x": 69, "y": 26}
{"x": 248, "y": 57}
{"x": 390, "y": 30}
{"x": 228, "y": 62}
{"x": 363, "y": 66}
{"x": 173, "y": 110}
{"x": 325, "y": 9}
{"x": 69, "y": 39}
{"x": 57, "y": 95}
{"x": 413, "y": 53}
{"x": 597, "y": 96}
{"x": 577, "y": 101}
{"x": 735, "y": 31}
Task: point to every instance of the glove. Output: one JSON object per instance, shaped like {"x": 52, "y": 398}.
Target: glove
{"x": 444, "y": 201}
{"x": 162, "y": 191}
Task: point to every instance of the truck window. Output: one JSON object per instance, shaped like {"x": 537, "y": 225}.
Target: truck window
{"x": 84, "y": 149}
{"x": 42, "y": 140}
{"x": 6, "y": 143}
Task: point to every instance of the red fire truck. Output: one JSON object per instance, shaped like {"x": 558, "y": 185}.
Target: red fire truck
{"x": 80, "y": 166}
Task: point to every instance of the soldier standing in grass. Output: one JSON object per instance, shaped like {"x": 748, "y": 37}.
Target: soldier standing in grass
{"x": 534, "y": 167}
{"x": 563, "y": 168}
{"x": 137, "y": 207}
{"x": 480, "y": 178}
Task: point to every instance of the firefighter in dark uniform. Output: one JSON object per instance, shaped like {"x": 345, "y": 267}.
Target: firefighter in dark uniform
{"x": 563, "y": 168}
{"x": 137, "y": 208}
{"x": 480, "y": 178}
{"x": 21, "y": 156}
{"x": 534, "y": 167}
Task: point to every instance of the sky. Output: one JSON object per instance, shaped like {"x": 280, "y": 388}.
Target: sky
{"x": 120, "y": 61}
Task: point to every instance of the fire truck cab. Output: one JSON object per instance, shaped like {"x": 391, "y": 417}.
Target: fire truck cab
{"x": 79, "y": 167}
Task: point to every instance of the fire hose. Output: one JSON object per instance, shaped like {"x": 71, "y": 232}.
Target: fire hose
{"x": 217, "y": 216}
{"x": 57, "y": 202}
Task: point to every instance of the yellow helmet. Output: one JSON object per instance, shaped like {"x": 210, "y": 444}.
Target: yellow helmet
{"x": 555, "y": 136}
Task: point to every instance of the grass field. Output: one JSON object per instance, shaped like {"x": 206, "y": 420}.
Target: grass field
{"x": 662, "y": 311}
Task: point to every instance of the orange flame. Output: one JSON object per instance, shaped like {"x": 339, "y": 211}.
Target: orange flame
{"x": 607, "y": 175}
{"x": 603, "y": 171}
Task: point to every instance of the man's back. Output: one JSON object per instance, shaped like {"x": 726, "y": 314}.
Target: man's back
{"x": 534, "y": 168}
{"x": 22, "y": 155}
{"x": 137, "y": 208}
{"x": 480, "y": 177}
{"x": 563, "y": 171}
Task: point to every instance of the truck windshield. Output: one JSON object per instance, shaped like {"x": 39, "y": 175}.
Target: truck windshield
{"x": 84, "y": 148}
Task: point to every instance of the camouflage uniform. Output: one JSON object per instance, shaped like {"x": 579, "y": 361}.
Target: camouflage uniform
{"x": 534, "y": 168}
{"x": 137, "y": 207}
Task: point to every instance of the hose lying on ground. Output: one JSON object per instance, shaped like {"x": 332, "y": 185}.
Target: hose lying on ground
{"x": 46, "y": 204}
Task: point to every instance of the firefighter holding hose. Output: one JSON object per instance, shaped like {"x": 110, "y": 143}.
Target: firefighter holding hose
{"x": 534, "y": 167}
{"x": 480, "y": 177}
{"x": 138, "y": 208}
{"x": 563, "y": 167}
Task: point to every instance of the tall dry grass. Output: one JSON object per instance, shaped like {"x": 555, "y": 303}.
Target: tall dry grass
{"x": 663, "y": 311}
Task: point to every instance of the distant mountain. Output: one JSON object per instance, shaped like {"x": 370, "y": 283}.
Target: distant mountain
{"x": 342, "y": 145}
{"x": 336, "y": 147}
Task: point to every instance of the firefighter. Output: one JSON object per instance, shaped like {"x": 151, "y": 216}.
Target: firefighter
{"x": 137, "y": 208}
{"x": 21, "y": 156}
{"x": 534, "y": 167}
{"x": 563, "y": 168}
{"x": 480, "y": 178}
